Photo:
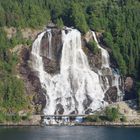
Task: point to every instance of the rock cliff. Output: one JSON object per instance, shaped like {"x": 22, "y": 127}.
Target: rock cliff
{"x": 52, "y": 66}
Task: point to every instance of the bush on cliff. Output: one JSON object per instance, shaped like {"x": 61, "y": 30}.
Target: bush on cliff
{"x": 93, "y": 46}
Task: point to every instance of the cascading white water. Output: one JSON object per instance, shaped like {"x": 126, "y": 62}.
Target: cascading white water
{"x": 36, "y": 58}
{"x": 116, "y": 82}
{"x": 106, "y": 64}
{"x": 50, "y": 44}
{"x": 76, "y": 89}
{"x": 105, "y": 55}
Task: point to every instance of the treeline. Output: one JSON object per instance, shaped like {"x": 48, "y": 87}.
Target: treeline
{"x": 12, "y": 96}
{"x": 118, "y": 20}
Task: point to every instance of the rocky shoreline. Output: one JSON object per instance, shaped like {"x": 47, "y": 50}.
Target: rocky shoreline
{"x": 19, "y": 124}
{"x": 115, "y": 124}
{"x": 105, "y": 124}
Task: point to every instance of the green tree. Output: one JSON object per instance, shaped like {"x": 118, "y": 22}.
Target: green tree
{"x": 78, "y": 18}
{"x": 2, "y": 16}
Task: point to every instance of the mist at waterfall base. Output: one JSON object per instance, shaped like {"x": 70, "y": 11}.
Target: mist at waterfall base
{"x": 77, "y": 89}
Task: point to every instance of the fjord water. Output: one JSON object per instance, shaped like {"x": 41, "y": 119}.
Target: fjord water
{"x": 69, "y": 133}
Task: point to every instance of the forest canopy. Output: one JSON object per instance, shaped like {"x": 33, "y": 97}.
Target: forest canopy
{"x": 118, "y": 20}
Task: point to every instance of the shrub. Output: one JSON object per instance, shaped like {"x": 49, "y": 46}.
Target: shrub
{"x": 93, "y": 118}
{"x": 16, "y": 118}
{"x": 2, "y": 117}
{"x": 112, "y": 114}
{"x": 93, "y": 46}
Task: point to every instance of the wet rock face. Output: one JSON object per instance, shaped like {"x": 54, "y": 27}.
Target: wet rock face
{"x": 52, "y": 64}
{"x": 129, "y": 87}
{"x": 94, "y": 59}
{"x": 111, "y": 95}
{"x": 87, "y": 101}
{"x": 59, "y": 109}
{"x": 129, "y": 83}
{"x": 32, "y": 83}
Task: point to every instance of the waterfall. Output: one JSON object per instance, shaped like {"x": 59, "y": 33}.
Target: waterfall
{"x": 105, "y": 55}
{"x": 50, "y": 44}
{"x": 36, "y": 58}
{"x": 76, "y": 89}
{"x": 106, "y": 64}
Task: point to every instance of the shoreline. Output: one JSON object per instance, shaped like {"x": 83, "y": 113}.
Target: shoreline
{"x": 103, "y": 124}
{"x": 18, "y": 124}
{"x": 114, "y": 124}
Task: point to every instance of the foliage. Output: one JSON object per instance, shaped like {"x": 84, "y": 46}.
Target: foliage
{"x": 60, "y": 23}
{"x": 78, "y": 18}
{"x": 13, "y": 117}
{"x": 16, "y": 118}
{"x": 93, "y": 46}
{"x": 12, "y": 95}
{"x": 93, "y": 118}
{"x": 2, "y": 117}
{"x": 118, "y": 20}
{"x": 111, "y": 114}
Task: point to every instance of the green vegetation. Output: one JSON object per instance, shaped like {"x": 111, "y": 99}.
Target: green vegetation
{"x": 12, "y": 93}
{"x": 13, "y": 117}
{"x": 78, "y": 17}
{"x": 93, "y": 118}
{"x": 112, "y": 114}
{"x": 93, "y": 46}
{"x": 118, "y": 20}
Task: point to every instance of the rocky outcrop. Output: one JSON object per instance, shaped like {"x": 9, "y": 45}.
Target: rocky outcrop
{"x": 52, "y": 63}
{"x": 32, "y": 83}
{"x": 105, "y": 73}
{"x": 11, "y": 32}
{"x": 111, "y": 95}
{"x": 113, "y": 62}
{"x": 52, "y": 66}
{"x": 26, "y": 33}
{"x": 94, "y": 59}
{"x": 129, "y": 88}
{"x": 129, "y": 83}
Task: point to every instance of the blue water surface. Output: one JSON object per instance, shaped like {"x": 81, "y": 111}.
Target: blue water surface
{"x": 69, "y": 133}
